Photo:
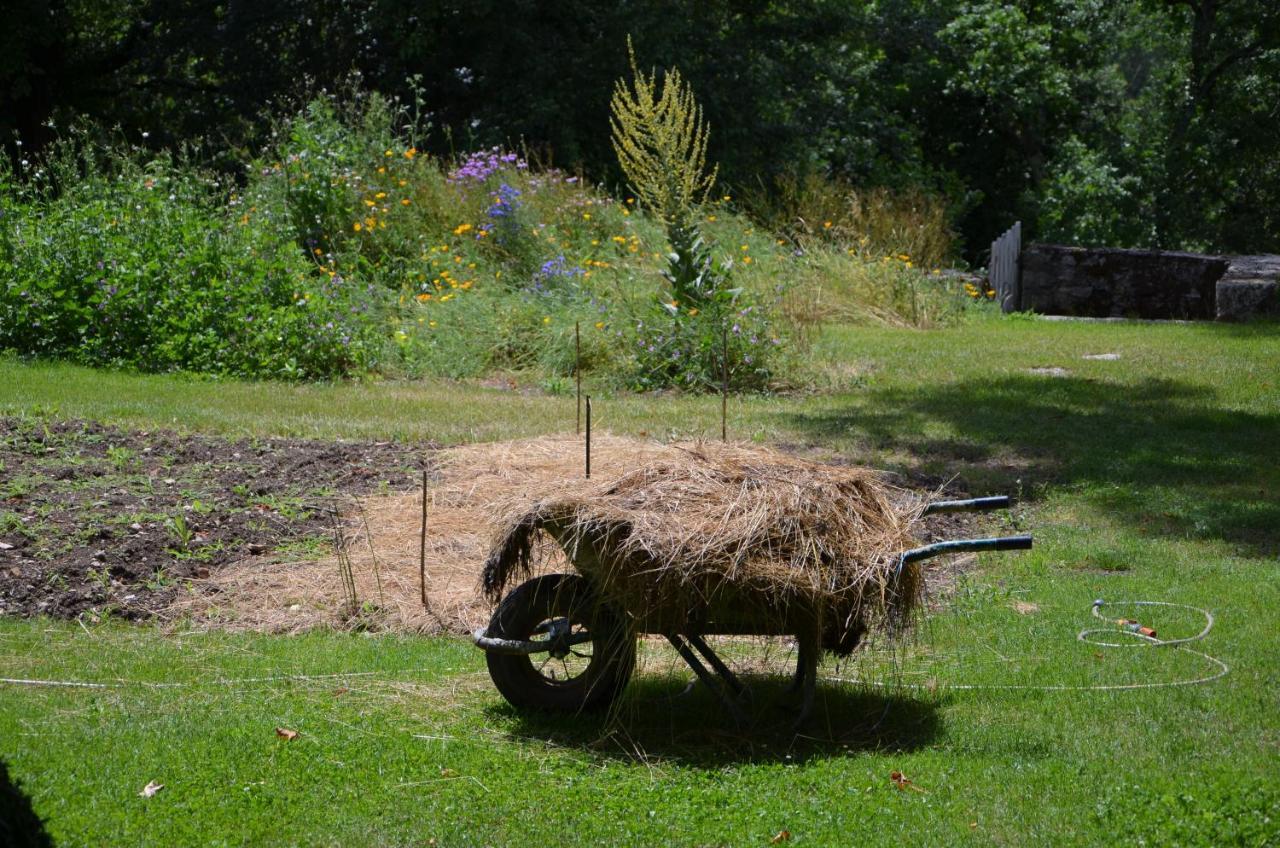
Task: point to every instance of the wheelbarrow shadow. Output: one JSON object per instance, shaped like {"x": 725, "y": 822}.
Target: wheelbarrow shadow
{"x": 663, "y": 717}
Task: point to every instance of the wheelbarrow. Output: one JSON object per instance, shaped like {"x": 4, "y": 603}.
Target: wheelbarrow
{"x": 552, "y": 644}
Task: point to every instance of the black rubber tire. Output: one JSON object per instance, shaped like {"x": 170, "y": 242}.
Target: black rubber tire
{"x": 613, "y": 648}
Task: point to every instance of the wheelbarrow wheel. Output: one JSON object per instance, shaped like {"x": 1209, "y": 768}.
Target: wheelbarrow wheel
{"x": 590, "y": 652}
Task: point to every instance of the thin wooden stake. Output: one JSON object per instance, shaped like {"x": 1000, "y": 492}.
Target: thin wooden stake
{"x": 422, "y": 544}
{"x": 588, "y": 437}
{"x": 577, "y": 372}
{"x": 724, "y": 383}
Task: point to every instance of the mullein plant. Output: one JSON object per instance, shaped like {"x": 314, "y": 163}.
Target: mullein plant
{"x": 660, "y": 137}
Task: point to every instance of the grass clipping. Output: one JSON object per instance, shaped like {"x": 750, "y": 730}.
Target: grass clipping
{"x": 729, "y": 538}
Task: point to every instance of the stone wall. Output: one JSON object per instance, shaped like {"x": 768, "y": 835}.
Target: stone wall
{"x": 1250, "y": 288}
{"x": 1119, "y": 283}
{"x": 1106, "y": 282}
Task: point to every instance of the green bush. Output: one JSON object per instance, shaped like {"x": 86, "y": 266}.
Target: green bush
{"x": 343, "y": 250}
{"x": 139, "y": 263}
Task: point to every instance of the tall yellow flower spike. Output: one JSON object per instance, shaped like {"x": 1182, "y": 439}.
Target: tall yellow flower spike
{"x": 660, "y": 138}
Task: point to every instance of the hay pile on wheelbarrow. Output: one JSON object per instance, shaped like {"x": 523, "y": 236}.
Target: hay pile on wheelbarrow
{"x": 697, "y": 540}
{"x": 706, "y": 539}
{"x": 724, "y": 538}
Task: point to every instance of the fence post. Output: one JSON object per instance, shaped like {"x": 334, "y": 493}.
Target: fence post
{"x": 1004, "y": 273}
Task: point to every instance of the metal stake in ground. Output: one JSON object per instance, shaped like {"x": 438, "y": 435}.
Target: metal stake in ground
{"x": 577, "y": 372}
{"x": 588, "y": 437}
{"x": 724, "y": 383}
{"x": 422, "y": 544}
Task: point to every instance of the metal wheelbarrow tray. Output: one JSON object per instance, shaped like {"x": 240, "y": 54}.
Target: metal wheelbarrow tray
{"x": 554, "y": 644}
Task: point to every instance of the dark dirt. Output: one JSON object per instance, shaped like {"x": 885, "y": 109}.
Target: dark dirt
{"x": 100, "y": 520}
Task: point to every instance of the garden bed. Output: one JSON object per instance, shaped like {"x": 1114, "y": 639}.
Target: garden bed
{"x": 100, "y": 519}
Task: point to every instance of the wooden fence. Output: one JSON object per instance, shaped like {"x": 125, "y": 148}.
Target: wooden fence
{"x": 1004, "y": 272}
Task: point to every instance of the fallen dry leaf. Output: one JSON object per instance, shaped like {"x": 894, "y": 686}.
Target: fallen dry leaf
{"x": 1025, "y": 607}
{"x": 902, "y": 782}
{"x": 150, "y": 789}
{"x": 341, "y": 690}
{"x": 783, "y": 836}
{"x": 286, "y": 734}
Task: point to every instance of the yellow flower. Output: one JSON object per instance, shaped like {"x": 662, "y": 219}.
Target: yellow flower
{"x": 356, "y": 226}
{"x": 594, "y": 242}
{"x": 693, "y": 310}
{"x": 404, "y": 201}
{"x": 711, "y": 218}
{"x": 586, "y": 216}
{"x": 625, "y": 212}
{"x": 382, "y": 170}
{"x": 599, "y": 325}
{"x": 380, "y": 195}
{"x": 746, "y": 260}
{"x": 424, "y": 297}
{"x": 388, "y": 153}
{"x": 546, "y": 319}
{"x": 411, "y": 152}
{"x": 370, "y": 203}
{"x": 630, "y": 200}
{"x": 431, "y": 324}
{"x": 826, "y": 225}
{"x": 461, "y": 228}
{"x": 744, "y": 247}
{"x": 727, "y": 198}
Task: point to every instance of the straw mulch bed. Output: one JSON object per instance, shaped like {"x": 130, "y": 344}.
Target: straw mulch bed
{"x": 752, "y": 515}
{"x": 468, "y": 488}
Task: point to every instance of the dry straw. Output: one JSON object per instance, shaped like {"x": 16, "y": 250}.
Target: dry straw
{"x": 744, "y": 515}
{"x": 728, "y": 538}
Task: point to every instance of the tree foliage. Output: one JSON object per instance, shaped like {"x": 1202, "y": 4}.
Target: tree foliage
{"x": 1149, "y": 122}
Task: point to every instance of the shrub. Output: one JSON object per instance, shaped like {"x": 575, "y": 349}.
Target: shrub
{"x": 134, "y": 262}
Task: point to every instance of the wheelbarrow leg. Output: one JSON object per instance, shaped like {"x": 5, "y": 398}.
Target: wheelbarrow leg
{"x": 726, "y": 674}
{"x": 803, "y": 649}
{"x": 731, "y": 683}
{"x": 806, "y": 679}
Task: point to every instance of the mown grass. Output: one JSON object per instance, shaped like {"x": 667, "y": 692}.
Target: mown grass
{"x": 1148, "y": 477}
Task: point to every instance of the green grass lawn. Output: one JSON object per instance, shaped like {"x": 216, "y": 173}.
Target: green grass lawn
{"x": 1154, "y": 476}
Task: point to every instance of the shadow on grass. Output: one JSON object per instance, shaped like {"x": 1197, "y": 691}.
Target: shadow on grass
{"x": 659, "y": 719}
{"x": 1163, "y": 456}
{"x": 20, "y": 827}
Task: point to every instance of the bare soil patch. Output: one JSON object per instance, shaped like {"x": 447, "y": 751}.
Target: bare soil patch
{"x": 108, "y": 521}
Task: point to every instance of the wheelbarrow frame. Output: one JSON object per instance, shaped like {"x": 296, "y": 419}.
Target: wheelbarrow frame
{"x": 509, "y": 658}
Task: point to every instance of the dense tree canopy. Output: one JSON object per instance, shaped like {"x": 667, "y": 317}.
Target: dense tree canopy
{"x": 1133, "y": 123}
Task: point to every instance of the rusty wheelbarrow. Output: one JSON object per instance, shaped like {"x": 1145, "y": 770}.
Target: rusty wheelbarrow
{"x": 552, "y": 644}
